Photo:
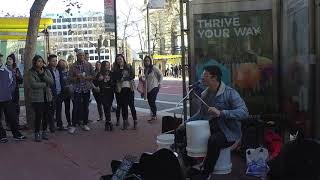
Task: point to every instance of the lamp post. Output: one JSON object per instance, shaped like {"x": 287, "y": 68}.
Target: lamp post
{"x": 148, "y": 29}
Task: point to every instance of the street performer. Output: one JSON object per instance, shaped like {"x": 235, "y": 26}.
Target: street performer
{"x": 223, "y": 107}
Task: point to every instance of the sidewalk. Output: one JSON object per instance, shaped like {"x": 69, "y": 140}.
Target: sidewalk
{"x": 84, "y": 155}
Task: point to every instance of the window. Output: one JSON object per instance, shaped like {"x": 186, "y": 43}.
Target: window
{"x": 79, "y": 19}
{"x": 85, "y": 45}
{"x": 90, "y": 18}
{"x": 80, "y": 39}
{"x": 80, "y": 46}
{"x": 102, "y": 57}
{"x": 65, "y": 33}
{"x": 74, "y": 26}
{"x": 85, "y": 26}
{"x": 95, "y": 18}
{"x": 91, "y": 51}
{"x": 107, "y": 50}
{"x": 60, "y": 33}
{"x": 55, "y": 33}
{"x": 65, "y": 40}
{"x": 90, "y": 38}
{"x": 86, "y": 38}
{"x": 69, "y": 39}
{"x": 100, "y": 18}
{"x": 59, "y": 20}
{"x": 59, "y": 27}
{"x": 84, "y": 19}
{"x": 91, "y": 57}
{"x": 54, "y": 27}
{"x": 65, "y": 46}
{"x": 69, "y": 26}
{"x": 90, "y": 25}
{"x": 49, "y": 27}
{"x": 64, "y": 20}
{"x": 64, "y": 26}
{"x": 54, "y": 20}
{"x": 95, "y": 51}
{"x": 107, "y": 57}
{"x": 74, "y": 39}
{"x": 70, "y": 46}
{"x": 96, "y": 58}
{"x": 90, "y": 32}
{"x": 68, "y": 19}
{"x": 74, "y": 19}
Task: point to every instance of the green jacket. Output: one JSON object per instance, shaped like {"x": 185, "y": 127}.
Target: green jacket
{"x": 40, "y": 88}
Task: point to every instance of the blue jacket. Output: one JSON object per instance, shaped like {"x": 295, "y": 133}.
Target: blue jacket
{"x": 233, "y": 110}
{"x": 7, "y": 84}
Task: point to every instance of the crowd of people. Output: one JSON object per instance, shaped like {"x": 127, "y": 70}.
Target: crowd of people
{"x": 54, "y": 83}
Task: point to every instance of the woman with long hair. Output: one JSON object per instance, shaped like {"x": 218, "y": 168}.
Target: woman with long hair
{"x": 41, "y": 96}
{"x": 106, "y": 85}
{"x": 63, "y": 68}
{"x": 97, "y": 94}
{"x": 12, "y": 65}
{"x": 153, "y": 78}
{"x": 124, "y": 76}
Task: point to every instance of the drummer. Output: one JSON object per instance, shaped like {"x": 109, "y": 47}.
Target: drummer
{"x": 223, "y": 107}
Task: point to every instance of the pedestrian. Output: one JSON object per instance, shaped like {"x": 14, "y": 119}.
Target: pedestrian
{"x": 124, "y": 76}
{"x": 106, "y": 83}
{"x": 57, "y": 94}
{"x": 66, "y": 91}
{"x": 95, "y": 93}
{"x": 81, "y": 75}
{"x": 12, "y": 65}
{"x": 41, "y": 81}
{"x": 153, "y": 79}
{"x": 7, "y": 86}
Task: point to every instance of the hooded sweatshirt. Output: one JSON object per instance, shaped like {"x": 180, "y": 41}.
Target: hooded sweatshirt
{"x": 7, "y": 83}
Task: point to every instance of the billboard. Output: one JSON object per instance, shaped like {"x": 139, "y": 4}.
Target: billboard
{"x": 109, "y": 19}
{"x": 240, "y": 42}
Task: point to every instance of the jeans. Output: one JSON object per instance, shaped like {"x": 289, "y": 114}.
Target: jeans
{"x": 42, "y": 114}
{"x": 97, "y": 97}
{"x": 80, "y": 108}
{"x": 8, "y": 108}
{"x": 152, "y": 96}
{"x": 126, "y": 98}
{"x": 59, "y": 100}
{"x": 107, "y": 104}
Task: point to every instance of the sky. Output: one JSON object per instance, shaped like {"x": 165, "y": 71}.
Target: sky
{"x": 22, "y": 7}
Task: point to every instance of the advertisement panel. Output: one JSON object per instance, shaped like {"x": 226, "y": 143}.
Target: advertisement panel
{"x": 109, "y": 15}
{"x": 241, "y": 44}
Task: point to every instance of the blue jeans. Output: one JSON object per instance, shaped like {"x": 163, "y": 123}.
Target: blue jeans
{"x": 152, "y": 96}
{"x": 80, "y": 109}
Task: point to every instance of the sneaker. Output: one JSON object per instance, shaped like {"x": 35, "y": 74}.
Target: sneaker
{"x": 86, "y": 128}
{"x": 44, "y": 135}
{"x": 37, "y": 137}
{"x": 19, "y": 137}
{"x": 154, "y": 118}
{"x": 3, "y": 140}
{"x": 71, "y": 130}
{"x": 61, "y": 128}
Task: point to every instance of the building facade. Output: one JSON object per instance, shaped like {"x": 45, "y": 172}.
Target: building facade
{"x": 79, "y": 31}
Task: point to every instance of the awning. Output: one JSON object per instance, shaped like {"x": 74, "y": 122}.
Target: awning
{"x": 16, "y": 28}
{"x": 169, "y": 56}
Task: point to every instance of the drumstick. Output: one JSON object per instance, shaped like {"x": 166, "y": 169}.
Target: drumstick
{"x": 201, "y": 100}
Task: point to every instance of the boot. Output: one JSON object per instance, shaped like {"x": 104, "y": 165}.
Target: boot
{"x": 135, "y": 124}
{"x": 45, "y": 135}
{"x": 37, "y": 137}
{"x": 125, "y": 125}
{"x": 117, "y": 124}
{"x": 108, "y": 126}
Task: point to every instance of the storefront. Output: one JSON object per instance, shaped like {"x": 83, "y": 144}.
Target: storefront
{"x": 267, "y": 50}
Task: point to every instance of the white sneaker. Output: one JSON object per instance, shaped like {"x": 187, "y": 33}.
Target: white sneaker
{"x": 86, "y": 128}
{"x": 71, "y": 130}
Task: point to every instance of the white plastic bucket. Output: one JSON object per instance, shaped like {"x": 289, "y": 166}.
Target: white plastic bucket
{"x": 223, "y": 164}
{"x": 165, "y": 141}
{"x": 198, "y": 133}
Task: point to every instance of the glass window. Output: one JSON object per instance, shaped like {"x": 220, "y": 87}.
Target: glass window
{"x": 91, "y": 51}
{"x": 64, "y": 26}
{"x": 80, "y": 38}
{"x": 102, "y": 57}
{"x": 69, "y": 26}
{"x": 96, "y": 58}
{"x": 70, "y": 46}
{"x": 86, "y": 38}
{"x": 68, "y": 19}
{"x": 69, "y": 39}
{"x": 58, "y": 20}
{"x": 100, "y": 18}
{"x": 107, "y": 50}
{"x": 54, "y": 27}
{"x": 65, "y": 40}
{"x": 85, "y": 45}
{"x": 90, "y": 25}
{"x": 64, "y": 20}
{"x": 74, "y": 39}
{"x": 84, "y": 19}
{"x": 65, "y": 33}
{"x": 79, "y": 25}
{"x": 74, "y": 26}
{"x": 85, "y": 25}
{"x": 107, "y": 57}
{"x": 74, "y": 19}
{"x": 90, "y": 38}
{"x": 94, "y": 18}
{"x": 91, "y": 57}
{"x": 79, "y": 19}
{"x": 90, "y": 18}
{"x": 55, "y": 33}
{"x": 90, "y": 32}
{"x": 58, "y": 26}
{"x": 60, "y": 33}
{"x": 54, "y": 20}
{"x": 80, "y": 46}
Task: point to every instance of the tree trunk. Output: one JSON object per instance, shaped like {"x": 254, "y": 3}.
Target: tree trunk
{"x": 30, "y": 49}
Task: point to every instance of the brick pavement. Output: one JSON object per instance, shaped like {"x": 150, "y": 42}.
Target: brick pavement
{"x": 84, "y": 155}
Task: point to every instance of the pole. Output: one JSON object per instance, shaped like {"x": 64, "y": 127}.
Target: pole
{"x": 115, "y": 28}
{"x": 148, "y": 29}
{"x": 185, "y": 112}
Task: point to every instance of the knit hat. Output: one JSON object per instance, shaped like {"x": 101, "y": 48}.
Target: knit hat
{"x": 80, "y": 51}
